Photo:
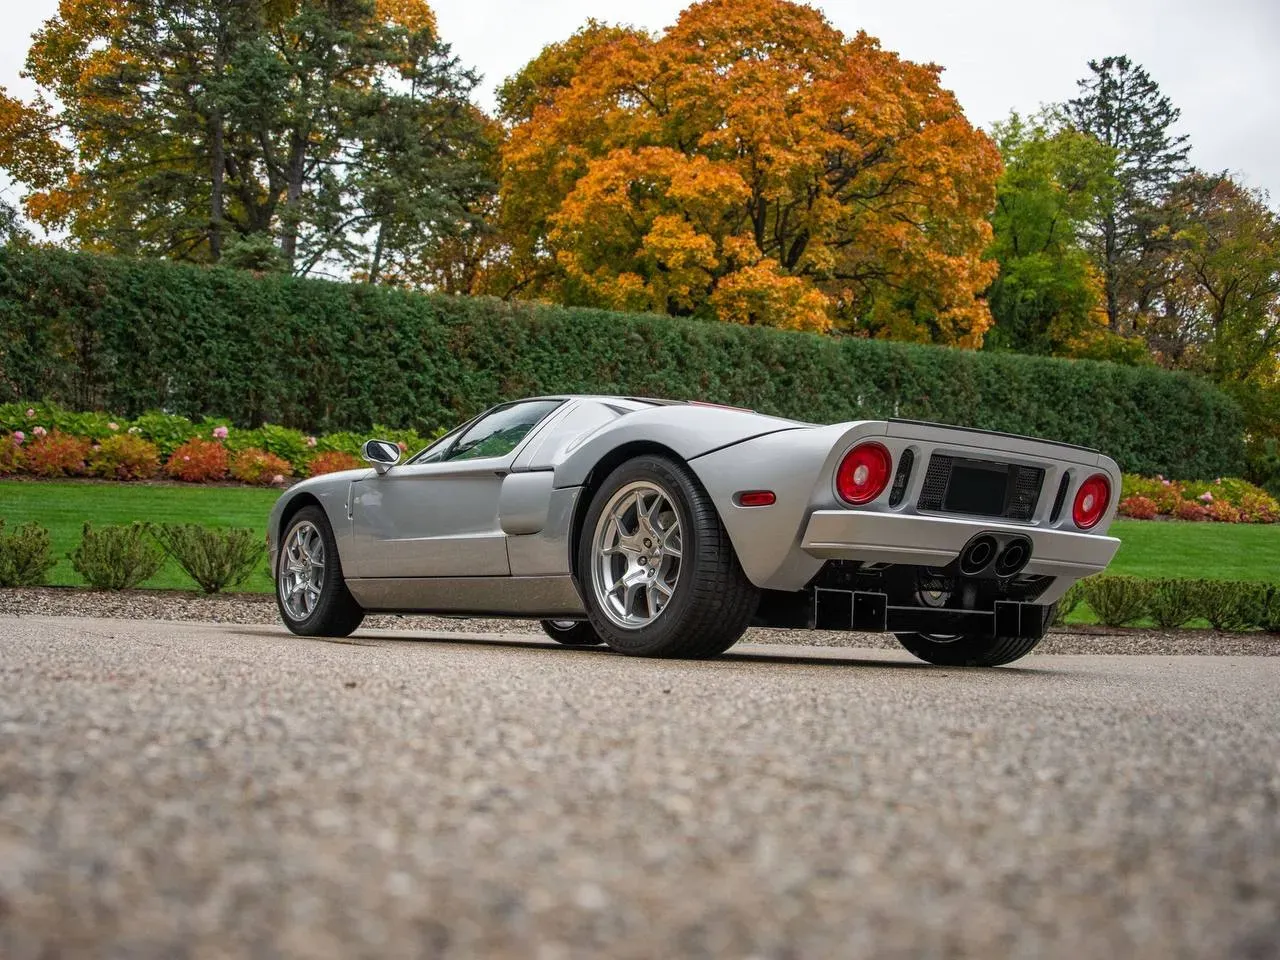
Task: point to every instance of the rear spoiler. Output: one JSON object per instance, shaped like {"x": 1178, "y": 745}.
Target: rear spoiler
{"x": 992, "y": 433}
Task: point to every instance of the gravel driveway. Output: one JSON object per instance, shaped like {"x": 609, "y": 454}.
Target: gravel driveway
{"x": 260, "y": 609}
{"x": 195, "y": 790}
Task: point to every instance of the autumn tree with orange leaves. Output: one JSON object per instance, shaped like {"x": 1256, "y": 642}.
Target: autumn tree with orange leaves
{"x": 750, "y": 164}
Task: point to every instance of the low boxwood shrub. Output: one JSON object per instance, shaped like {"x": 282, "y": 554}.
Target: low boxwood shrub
{"x": 259, "y": 467}
{"x": 1117, "y": 600}
{"x": 1229, "y": 604}
{"x": 1271, "y": 615}
{"x": 116, "y": 558}
{"x": 198, "y": 461}
{"x": 214, "y": 559}
{"x": 1172, "y": 604}
{"x": 26, "y": 556}
{"x": 124, "y": 456}
{"x": 1067, "y": 605}
{"x": 56, "y": 455}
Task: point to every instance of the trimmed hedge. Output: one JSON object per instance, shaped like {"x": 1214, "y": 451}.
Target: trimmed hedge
{"x": 95, "y": 332}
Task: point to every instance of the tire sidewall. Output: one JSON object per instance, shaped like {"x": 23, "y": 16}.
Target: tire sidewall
{"x": 679, "y": 487}
{"x": 314, "y": 624}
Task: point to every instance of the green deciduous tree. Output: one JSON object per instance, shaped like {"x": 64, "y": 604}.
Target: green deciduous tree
{"x": 1221, "y": 311}
{"x": 339, "y": 129}
{"x": 1048, "y": 296}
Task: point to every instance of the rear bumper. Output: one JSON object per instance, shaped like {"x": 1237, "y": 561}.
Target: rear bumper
{"x": 937, "y": 541}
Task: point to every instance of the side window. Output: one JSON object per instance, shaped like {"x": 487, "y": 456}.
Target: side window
{"x": 501, "y": 431}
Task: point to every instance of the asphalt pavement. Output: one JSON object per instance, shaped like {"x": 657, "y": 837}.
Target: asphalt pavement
{"x": 198, "y": 790}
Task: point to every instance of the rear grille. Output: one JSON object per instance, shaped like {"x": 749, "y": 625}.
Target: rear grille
{"x": 1018, "y": 502}
{"x": 935, "y": 482}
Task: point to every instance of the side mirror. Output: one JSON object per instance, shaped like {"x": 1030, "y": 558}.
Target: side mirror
{"x": 383, "y": 454}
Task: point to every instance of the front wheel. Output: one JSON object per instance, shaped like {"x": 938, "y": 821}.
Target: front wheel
{"x": 312, "y": 596}
{"x": 970, "y": 650}
{"x": 659, "y": 576}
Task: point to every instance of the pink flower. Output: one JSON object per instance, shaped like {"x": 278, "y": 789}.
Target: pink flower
{"x": 113, "y": 425}
{"x": 19, "y": 437}
{"x": 277, "y": 479}
{"x": 185, "y": 457}
{"x": 39, "y": 431}
{"x": 30, "y": 413}
{"x": 220, "y": 433}
{"x": 311, "y": 441}
{"x": 1166, "y": 483}
{"x": 1207, "y": 497}
{"x": 403, "y": 446}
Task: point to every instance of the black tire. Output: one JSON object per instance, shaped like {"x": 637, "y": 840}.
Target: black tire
{"x": 574, "y": 633}
{"x": 336, "y": 613}
{"x": 712, "y": 602}
{"x": 971, "y": 650}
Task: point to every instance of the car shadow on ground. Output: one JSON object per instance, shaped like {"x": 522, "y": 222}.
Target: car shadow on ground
{"x": 836, "y": 658}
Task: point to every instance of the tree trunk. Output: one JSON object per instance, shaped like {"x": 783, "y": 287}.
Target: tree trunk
{"x": 293, "y": 194}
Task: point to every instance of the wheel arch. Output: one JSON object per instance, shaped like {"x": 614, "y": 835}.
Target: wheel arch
{"x": 292, "y": 508}
{"x": 595, "y": 479}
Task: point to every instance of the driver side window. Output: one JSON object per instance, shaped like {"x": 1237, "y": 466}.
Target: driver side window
{"x": 500, "y": 432}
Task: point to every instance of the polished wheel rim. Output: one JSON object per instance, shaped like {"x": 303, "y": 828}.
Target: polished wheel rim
{"x": 301, "y": 578}
{"x": 637, "y": 554}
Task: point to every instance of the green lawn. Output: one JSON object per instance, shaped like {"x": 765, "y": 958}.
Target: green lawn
{"x": 1221, "y": 551}
{"x": 1150, "y": 548}
{"x": 64, "y": 507}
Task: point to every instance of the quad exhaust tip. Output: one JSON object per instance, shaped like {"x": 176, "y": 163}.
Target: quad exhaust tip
{"x": 1014, "y": 557}
{"x": 985, "y": 554}
{"x": 978, "y": 554}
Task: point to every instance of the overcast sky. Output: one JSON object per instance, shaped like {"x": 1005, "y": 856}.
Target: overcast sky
{"x": 1218, "y": 59}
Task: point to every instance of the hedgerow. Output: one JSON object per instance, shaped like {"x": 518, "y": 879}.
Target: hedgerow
{"x": 93, "y": 332}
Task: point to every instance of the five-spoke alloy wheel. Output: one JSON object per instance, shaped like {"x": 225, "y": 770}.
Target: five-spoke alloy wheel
{"x": 313, "y": 599}
{"x": 658, "y": 574}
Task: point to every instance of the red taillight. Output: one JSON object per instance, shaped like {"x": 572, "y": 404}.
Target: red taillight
{"x": 756, "y": 498}
{"x": 863, "y": 473}
{"x": 1091, "y": 501}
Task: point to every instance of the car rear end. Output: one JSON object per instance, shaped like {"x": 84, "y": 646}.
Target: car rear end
{"x": 909, "y": 526}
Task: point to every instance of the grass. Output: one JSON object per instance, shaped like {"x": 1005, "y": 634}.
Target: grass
{"x": 1149, "y": 548}
{"x": 64, "y": 507}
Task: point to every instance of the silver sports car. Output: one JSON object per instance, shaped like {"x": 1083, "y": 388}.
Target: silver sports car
{"x": 666, "y": 528}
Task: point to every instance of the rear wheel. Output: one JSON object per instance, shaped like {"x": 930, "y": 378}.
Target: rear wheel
{"x": 312, "y": 596}
{"x": 659, "y": 575}
{"x": 970, "y": 650}
{"x": 577, "y": 633}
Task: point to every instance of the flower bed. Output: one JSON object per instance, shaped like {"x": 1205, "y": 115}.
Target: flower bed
{"x": 46, "y": 441}
{"x": 1225, "y": 500}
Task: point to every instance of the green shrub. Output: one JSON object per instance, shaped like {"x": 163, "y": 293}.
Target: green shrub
{"x": 1271, "y": 618}
{"x": 214, "y": 559}
{"x": 124, "y": 456}
{"x": 167, "y": 431}
{"x": 96, "y": 332}
{"x": 1172, "y": 604}
{"x": 116, "y": 558}
{"x": 1230, "y": 605}
{"x": 1067, "y": 605}
{"x": 26, "y": 556}
{"x": 1117, "y": 600}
